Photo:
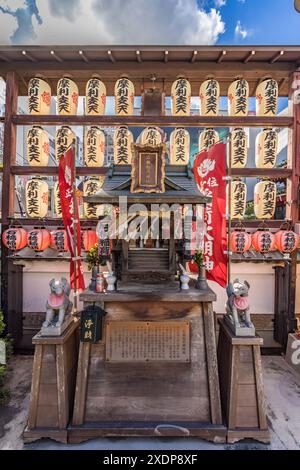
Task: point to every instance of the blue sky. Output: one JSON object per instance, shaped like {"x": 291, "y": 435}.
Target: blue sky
{"x": 149, "y": 22}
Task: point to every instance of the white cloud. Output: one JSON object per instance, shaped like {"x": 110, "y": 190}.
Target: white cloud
{"x": 122, "y": 22}
{"x": 241, "y": 32}
{"x": 220, "y": 3}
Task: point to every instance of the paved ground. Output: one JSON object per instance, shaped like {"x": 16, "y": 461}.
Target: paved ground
{"x": 282, "y": 387}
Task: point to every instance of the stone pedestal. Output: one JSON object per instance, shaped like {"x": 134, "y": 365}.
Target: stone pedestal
{"x": 241, "y": 384}
{"x": 53, "y": 385}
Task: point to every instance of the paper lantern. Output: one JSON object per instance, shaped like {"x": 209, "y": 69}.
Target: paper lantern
{"x": 124, "y": 97}
{"x": 59, "y": 240}
{"x": 89, "y": 239}
{"x": 95, "y": 97}
{"x": 239, "y": 148}
{"x": 64, "y": 137}
{"x": 36, "y": 198}
{"x": 123, "y": 140}
{"x": 57, "y": 204}
{"x": 39, "y": 239}
{"x": 181, "y": 97}
{"x": 238, "y": 199}
{"x": 14, "y": 238}
{"x": 67, "y": 96}
{"x": 37, "y": 146}
{"x": 39, "y": 96}
{"x": 209, "y": 97}
{"x": 151, "y": 136}
{"x": 208, "y": 138}
{"x": 266, "y": 146}
{"x": 266, "y": 98}
{"x": 286, "y": 241}
{"x": 238, "y": 94}
{"x": 91, "y": 187}
{"x": 240, "y": 241}
{"x": 263, "y": 241}
{"x": 94, "y": 147}
{"x": 179, "y": 147}
{"x": 264, "y": 199}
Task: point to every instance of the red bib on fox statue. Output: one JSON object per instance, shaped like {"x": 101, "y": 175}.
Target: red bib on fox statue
{"x": 209, "y": 173}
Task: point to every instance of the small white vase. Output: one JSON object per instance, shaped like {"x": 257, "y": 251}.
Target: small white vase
{"x": 111, "y": 280}
{"x": 184, "y": 282}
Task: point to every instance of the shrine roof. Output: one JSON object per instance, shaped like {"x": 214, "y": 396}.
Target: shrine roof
{"x": 179, "y": 183}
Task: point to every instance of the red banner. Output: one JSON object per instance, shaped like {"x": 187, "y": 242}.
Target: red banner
{"x": 209, "y": 173}
{"x": 69, "y": 213}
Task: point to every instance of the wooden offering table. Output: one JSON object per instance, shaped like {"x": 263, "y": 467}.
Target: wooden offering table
{"x": 155, "y": 370}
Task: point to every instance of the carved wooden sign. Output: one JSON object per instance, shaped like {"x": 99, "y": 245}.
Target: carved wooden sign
{"x": 148, "y": 169}
{"x": 142, "y": 341}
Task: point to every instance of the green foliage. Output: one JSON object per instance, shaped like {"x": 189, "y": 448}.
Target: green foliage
{"x": 93, "y": 258}
{"x": 4, "y": 393}
{"x": 198, "y": 258}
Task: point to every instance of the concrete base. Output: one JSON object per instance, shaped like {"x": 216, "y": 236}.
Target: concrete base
{"x": 53, "y": 330}
{"x": 242, "y": 331}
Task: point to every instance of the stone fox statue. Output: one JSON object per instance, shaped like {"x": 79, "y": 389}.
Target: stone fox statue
{"x": 58, "y": 301}
{"x": 237, "y": 305}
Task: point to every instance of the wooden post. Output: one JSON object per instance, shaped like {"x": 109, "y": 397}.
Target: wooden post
{"x": 75, "y": 223}
{"x": 8, "y": 181}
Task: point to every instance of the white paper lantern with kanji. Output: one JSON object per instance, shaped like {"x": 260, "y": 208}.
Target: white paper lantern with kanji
{"x": 67, "y": 97}
{"x": 265, "y": 199}
{"x": 36, "y": 198}
{"x": 238, "y": 94}
{"x": 95, "y": 97}
{"x": 238, "y": 199}
{"x": 64, "y": 137}
{"x": 266, "y": 148}
{"x": 39, "y": 96}
{"x": 123, "y": 140}
{"x": 179, "y": 147}
{"x": 207, "y": 139}
{"x": 239, "y": 148}
{"x": 124, "y": 97}
{"x": 151, "y": 136}
{"x": 181, "y": 93}
{"x": 37, "y": 146}
{"x": 266, "y": 98}
{"x": 209, "y": 97}
{"x": 94, "y": 147}
{"x": 57, "y": 204}
{"x": 90, "y": 187}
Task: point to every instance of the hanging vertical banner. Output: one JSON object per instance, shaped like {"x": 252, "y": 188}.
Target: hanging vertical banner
{"x": 69, "y": 212}
{"x": 209, "y": 173}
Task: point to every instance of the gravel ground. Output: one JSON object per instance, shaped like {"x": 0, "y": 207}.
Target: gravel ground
{"x": 282, "y": 387}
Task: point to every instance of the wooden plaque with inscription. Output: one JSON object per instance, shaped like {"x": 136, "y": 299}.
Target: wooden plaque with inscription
{"x": 141, "y": 341}
{"x": 148, "y": 169}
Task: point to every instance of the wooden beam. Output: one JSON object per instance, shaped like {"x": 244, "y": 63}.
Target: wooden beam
{"x": 275, "y": 173}
{"x": 249, "y": 57}
{"x": 221, "y": 56}
{"x": 111, "y": 57}
{"x": 138, "y": 56}
{"x": 56, "y": 56}
{"x": 29, "y": 56}
{"x": 84, "y": 57}
{"x": 194, "y": 57}
{"x": 53, "y": 170}
{"x": 276, "y": 57}
{"x": 3, "y": 57}
{"x": 172, "y": 121}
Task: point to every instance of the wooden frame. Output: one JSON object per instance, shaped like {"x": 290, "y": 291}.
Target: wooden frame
{"x": 155, "y": 155}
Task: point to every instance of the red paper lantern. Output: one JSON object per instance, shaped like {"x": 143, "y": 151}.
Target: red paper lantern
{"x": 263, "y": 241}
{"x": 89, "y": 239}
{"x": 286, "y": 241}
{"x": 240, "y": 241}
{"x": 59, "y": 240}
{"x": 14, "y": 238}
{"x": 39, "y": 239}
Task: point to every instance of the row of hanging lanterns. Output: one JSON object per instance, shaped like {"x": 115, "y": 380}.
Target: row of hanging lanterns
{"x": 264, "y": 241}
{"x": 39, "y": 239}
{"x": 39, "y": 97}
{"x": 264, "y": 199}
{"x": 36, "y": 197}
